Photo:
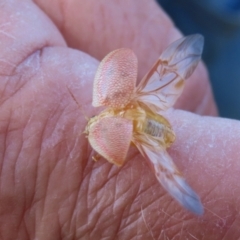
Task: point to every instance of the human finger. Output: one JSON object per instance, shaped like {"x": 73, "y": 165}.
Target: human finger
{"x": 40, "y": 167}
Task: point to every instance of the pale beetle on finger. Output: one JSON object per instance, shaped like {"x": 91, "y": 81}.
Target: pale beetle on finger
{"x": 133, "y": 114}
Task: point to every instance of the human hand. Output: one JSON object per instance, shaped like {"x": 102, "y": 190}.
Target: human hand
{"x": 50, "y": 187}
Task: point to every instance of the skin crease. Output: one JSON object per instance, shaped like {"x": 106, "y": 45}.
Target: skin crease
{"x": 50, "y": 188}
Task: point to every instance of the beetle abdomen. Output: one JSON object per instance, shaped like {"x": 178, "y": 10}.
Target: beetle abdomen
{"x": 154, "y": 128}
{"x": 159, "y": 130}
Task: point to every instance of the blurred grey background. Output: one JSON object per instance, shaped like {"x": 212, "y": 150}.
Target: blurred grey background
{"x": 219, "y": 22}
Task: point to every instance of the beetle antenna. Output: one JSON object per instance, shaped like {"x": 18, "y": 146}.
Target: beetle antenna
{"x": 80, "y": 106}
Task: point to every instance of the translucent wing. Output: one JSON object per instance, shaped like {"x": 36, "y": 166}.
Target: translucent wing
{"x": 167, "y": 173}
{"x": 111, "y": 137}
{"x": 115, "y": 79}
{"x": 161, "y": 87}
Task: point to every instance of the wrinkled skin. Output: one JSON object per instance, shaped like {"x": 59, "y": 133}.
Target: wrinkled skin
{"x": 50, "y": 187}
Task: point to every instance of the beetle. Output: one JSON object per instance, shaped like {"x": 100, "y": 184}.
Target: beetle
{"x": 133, "y": 114}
